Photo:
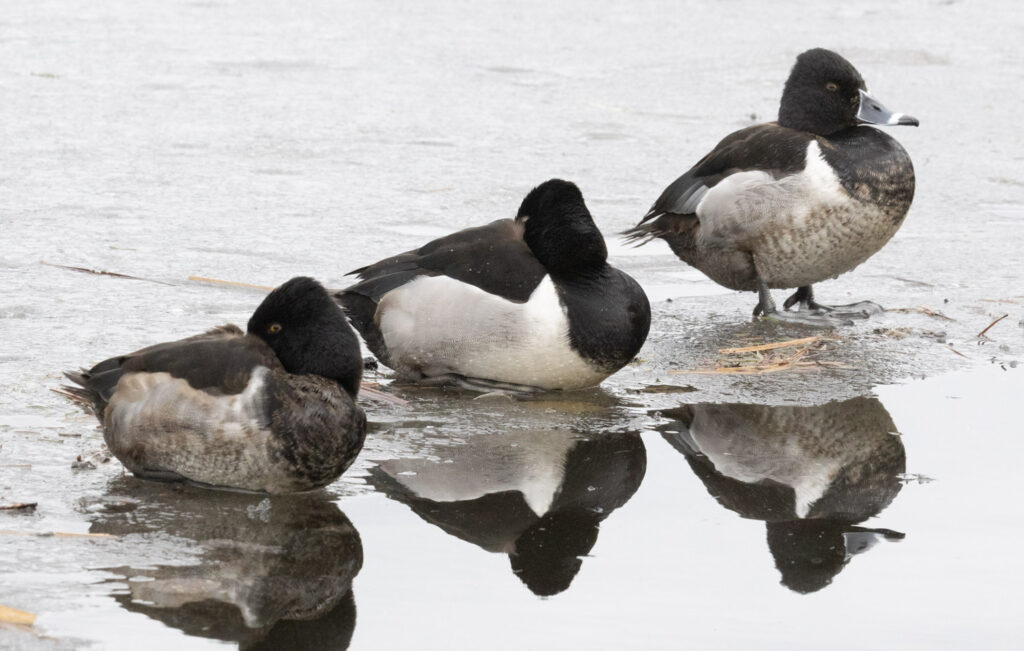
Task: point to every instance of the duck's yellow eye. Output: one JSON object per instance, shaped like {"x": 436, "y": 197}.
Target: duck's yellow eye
{"x": 832, "y": 86}
{"x": 274, "y": 328}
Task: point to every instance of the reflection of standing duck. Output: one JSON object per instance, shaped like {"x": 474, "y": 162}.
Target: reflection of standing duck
{"x": 810, "y": 473}
{"x": 272, "y": 569}
{"x": 538, "y": 496}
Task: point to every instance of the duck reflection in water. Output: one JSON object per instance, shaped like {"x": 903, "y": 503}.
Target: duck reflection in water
{"x": 538, "y": 496}
{"x": 811, "y": 473}
{"x": 273, "y": 572}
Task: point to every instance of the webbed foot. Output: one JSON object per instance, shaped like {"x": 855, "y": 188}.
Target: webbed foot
{"x": 817, "y": 318}
{"x": 804, "y": 296}
{"x": 479, "y": 385}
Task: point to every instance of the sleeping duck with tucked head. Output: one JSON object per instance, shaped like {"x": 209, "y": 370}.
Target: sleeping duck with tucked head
{"x": 791, "y": 203}
{"x": 519, "y": 305}
{"x": 269, "y": 410}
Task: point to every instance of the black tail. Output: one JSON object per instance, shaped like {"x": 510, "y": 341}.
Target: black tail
{"x": 361, "y": 312}
{"x": 83, "y": 394}
{"x": 95, "y": 386}
{"x": 649, "y": 228}
{"x": 679, "y": 231}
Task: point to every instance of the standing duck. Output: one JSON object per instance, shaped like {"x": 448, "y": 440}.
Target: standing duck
{"x": 794, "y": 202}
{"x": 269, "y": 410}
{"x": 521, "y": 305}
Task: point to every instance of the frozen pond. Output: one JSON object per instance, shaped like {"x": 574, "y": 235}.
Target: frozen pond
{"x": 866, "y": 500}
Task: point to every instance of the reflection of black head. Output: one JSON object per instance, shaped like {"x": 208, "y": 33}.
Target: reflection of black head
{"x": 601, "y": 474}
{"x": 332, "y": 631}
{"x": 547, "y": 555}
{"x": 808, "y": 553}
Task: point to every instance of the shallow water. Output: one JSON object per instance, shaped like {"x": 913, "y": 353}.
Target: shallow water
{"x": 866, "y": 503}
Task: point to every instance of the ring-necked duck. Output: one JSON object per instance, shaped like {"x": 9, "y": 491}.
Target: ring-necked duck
{"x": 270, "y": 410}
{"x": 794, "y": 202}
{"x": 519, "y": 305}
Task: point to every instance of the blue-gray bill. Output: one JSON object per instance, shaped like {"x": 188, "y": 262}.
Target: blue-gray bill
{"x": 874, "y": 112}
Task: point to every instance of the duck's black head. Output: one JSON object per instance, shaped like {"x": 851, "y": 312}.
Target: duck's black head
{"x": 559, "y": 230}
{"x": 825, "y": 94}
{"x": 822, "y": 94}
{"x": 309, "y": 333}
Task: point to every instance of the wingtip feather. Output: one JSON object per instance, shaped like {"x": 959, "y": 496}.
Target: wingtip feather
{"x": 79, "y": 377}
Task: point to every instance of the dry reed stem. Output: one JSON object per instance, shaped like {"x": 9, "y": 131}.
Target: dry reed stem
{"x": 374, "y": 393}
{"x": 14, "y": 616}
{"x": 920, "y": 309}
{"x": 232, "y": 283}
{"x": 767, "y": 364}
{"x": 101, "y": 272}
{"x": 954, "y": 350}
{"x": 57, "y": 534}
{"x": 982, "y": 333}
{"x": 772, "y": 346}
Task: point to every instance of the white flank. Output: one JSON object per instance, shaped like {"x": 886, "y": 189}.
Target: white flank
{"x": 748, "y": 205}
{"x": 437, "y": 325}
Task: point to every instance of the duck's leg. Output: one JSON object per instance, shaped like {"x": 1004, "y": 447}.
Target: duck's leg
{"x": 805, "y": 297}
{"x": 767, "y": 310}
{"x": 765, "y": 302}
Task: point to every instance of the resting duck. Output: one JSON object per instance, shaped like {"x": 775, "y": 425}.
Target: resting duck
{"x": 793, "y": 202}
{"x": 517, "y": 305}
{"x": 270, "y": 410}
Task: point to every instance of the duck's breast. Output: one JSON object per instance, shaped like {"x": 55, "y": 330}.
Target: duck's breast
{"x": 609, "y": 317}
{"x": 319, "y": 427}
